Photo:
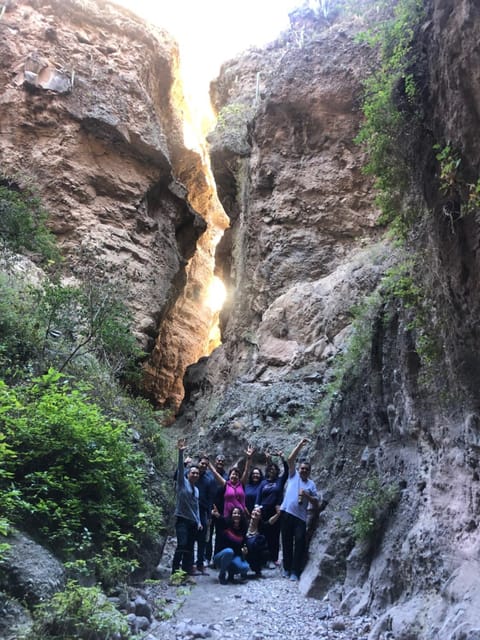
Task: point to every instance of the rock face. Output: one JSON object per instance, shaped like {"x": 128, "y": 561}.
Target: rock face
{"x": 301, "y": 249}
{"x": 29, "y": 574}
{"x": 91, "y": 114}
{"x": 301, "y": 252}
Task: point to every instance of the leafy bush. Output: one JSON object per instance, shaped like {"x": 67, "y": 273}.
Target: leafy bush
{"x": 7, "y": 496}
{"x": 20, "y": 334}
{"x": 60, "y": 324}
{"x": 87, "y": 319}
{"x": 391, "y": 106}
{"x": 348, "y": 362}
{"x": 23, "y": 223}
{"x": 401, "y": 283}
{"x": 459, "y": 193}
{"x": 78, "y": 612}
{"x": 76, "y": 476}
{"x": 373, "y": 507}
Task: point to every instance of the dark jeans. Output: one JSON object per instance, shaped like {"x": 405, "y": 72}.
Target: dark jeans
{"x": 211, "y": 545}
{"x": 271, "y": 532}
{"x": 201, "y": 539}
{"x": 186, "y": 531}
{"x": 293, "y": 543}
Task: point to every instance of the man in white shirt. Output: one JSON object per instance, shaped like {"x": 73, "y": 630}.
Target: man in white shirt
{"x": 300, "y": 492}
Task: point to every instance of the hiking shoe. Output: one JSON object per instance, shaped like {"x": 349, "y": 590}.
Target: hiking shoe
{"x": 203, "y": 571}
{"x": 293, "y": 577}
{"x": 285, "y": 574}
{"x": 222, "y": 578}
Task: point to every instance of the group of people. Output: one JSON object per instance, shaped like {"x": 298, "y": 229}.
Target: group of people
{"x": 237, "y": 519}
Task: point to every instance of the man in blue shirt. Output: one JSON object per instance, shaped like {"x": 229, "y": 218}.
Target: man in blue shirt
{"x": 300, "y": 492}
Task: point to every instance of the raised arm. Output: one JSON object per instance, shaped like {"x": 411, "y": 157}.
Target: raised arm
{"x": 180, "y": 475}
{"x": 220, "y": 479}
{"x": 293, "y": 455}
{"x": 284, "y": 476}
{"x": 249, "y": 451}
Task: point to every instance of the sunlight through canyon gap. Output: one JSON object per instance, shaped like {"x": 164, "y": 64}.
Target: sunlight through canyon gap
{"x": 208, "y": 32}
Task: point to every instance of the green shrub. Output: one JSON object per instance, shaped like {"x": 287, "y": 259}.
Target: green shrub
{"x": 87, "y": 319}
{"x": 391, "y": 107}
{"x": 373, "y": 508}
{"x": 401, "y": 283}
{"x": 78, "y": 612}
{"x": 77, "y": 478}
{"x": 349, "y": 361}
{"x": 457, "y": 191}
{"x": 20, "y": 330}
{"x": 57, "y": 325}
{"x": 23, "y": 223}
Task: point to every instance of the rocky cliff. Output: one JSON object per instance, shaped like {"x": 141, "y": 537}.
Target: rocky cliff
{"x": 300, "y": 254}
{"x": 92, "y": 115}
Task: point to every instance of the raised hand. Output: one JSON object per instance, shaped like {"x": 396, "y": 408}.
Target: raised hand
{"x": 249, "y": 451}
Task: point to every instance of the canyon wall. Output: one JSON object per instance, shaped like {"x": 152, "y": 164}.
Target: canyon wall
{"x": 302, "y": 252}
{"x": 92, "y": 115}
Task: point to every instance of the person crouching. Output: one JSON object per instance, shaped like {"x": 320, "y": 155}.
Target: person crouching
{"x": 231, "y": 549}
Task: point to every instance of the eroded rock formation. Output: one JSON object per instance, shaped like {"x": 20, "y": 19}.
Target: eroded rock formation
{"x": 91, "y": 114}
{"x": 300, "y": 212}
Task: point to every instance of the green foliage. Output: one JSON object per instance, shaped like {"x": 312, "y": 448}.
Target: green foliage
{"x": 4, "y": 530}
{"x": 78, "y": 612}
{"x": 390, "y": 106}
{"x": 453, "y": 186}
{"x": 179, "y": 577}
{"x": 7, "y": 495}
{"x": 87, "y": 319}
{"x": 23, "y": 223}
{"x": 20, "y": 332}
{"x": 473, "y": 199}
{"x": 59, "y": 324}
{"x": 375, "y": 502}
{"x": 77, "y": 478}
{"x": 349, "y": 361}
{"x": 449, "y": 164}
{"x": 400, "y": 283}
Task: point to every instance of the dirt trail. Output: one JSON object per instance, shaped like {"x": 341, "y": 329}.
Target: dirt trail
{"x": 269, "y": 607}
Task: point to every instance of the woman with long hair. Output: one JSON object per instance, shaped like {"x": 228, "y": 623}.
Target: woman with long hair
{"x": 231, "y": 550}
{"x": 269, "y": 498}
{"x": 234, "y": 491}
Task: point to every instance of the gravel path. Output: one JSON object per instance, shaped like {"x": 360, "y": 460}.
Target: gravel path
{"x": 262, "y": 608}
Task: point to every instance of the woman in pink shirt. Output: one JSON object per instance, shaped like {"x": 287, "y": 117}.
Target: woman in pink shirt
{"x": 234, "y": 491}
